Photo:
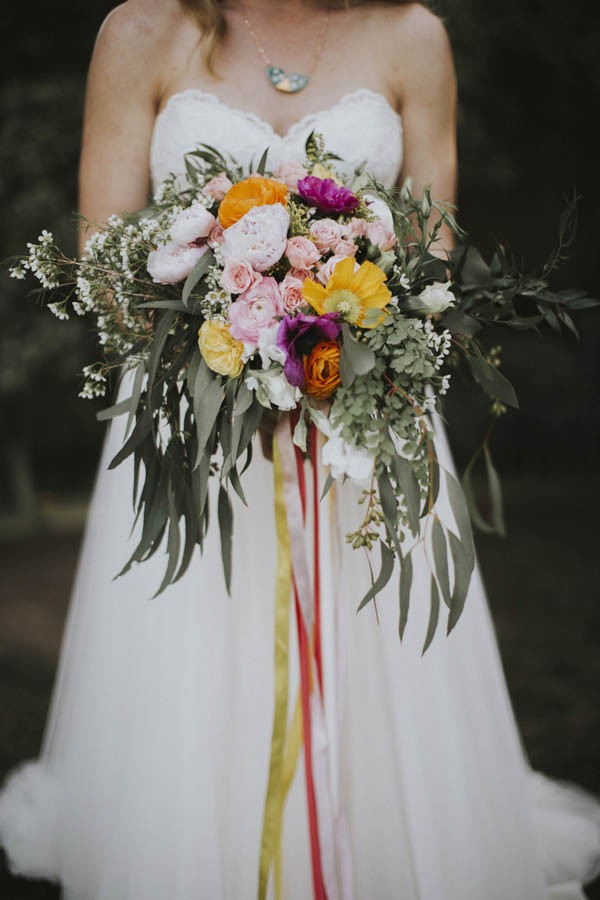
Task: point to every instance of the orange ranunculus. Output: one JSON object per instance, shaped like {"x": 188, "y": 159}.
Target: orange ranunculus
{"x": 245, "y": 195}
{"x": 322, "y": 369}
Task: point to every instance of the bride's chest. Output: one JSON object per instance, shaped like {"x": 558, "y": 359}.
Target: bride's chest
{"x": 360, "y": 127}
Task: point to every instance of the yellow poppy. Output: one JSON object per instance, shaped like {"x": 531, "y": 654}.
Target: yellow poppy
{"x": 351, "y": 294}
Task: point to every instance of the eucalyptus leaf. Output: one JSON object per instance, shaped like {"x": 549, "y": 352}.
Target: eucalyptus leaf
{"x": 491, "y": 380}
{"x": 434, "y": 600}
{"x": 406, "y": 577}
{"x": 225, "y": 515}
{"x": 199, "y": 270}
{"x": 440, "y": 558}
{"x": 385, "y": 573}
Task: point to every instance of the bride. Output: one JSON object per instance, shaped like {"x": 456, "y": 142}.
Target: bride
{"x": 152, "y": 777}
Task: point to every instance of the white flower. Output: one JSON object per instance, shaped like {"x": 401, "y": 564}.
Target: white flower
{"x": 435, "y": 298}
{"x": 346, "y": 459}
{"x": 172, "y": 263}
{"x": 192, "y": 223}
{"x": 259, "y": 237}
{"x": 380, "y": 210}
{"x": 274, "y": 389}
{"x": 267, "y": 346}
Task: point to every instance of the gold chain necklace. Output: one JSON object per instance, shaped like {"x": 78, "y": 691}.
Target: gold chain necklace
{"x": 278, "y": 77}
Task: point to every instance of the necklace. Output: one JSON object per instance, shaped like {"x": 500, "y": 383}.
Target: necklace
{"x": 278, "y": 77}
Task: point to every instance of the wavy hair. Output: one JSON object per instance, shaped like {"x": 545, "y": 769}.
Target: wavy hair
{"x": 213, "y": 26}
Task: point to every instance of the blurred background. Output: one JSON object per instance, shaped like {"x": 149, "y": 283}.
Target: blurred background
{"x": 529, "y": 96}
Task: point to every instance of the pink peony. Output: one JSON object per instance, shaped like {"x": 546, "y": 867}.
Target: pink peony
{"x": 171, "y": 263}
{"x": 291, "y": 292}
{"x": 238, "y": 275}
{"x": 345, "y": 247}
{"x": 325, "y": 233}
{"x": 191, "y": 224}
{"x": 259, "y": 237}
{"x": 301, "y": 252}
{"x": 255, "y": 310}
{"x": 217, "y": 187}
{"x": 326, "y": 270}
{"x": 290, "y": 173}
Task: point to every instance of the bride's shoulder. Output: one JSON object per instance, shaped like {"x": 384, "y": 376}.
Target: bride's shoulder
{"x": 139, "y": 28}
{"x": 134, "y": 41}
{"x": 412, "y": 27}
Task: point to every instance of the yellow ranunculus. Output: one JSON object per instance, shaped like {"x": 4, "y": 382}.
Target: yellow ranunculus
{"x": 351, "y": 294}
{"x": 221, "y": 352}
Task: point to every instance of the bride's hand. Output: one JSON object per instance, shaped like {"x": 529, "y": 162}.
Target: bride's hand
{"x": 266, "y": 430}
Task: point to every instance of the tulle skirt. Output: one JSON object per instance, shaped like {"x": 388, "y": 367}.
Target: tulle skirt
{"x": 152, "y": 776}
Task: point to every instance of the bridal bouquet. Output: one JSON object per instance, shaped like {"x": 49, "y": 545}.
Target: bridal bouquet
{"x": 293, "y": 291}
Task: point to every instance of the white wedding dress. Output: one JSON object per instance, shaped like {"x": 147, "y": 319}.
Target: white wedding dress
{"x": 153, "y": 773}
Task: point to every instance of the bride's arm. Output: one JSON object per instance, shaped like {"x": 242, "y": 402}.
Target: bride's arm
{"x": 426, "y": 88}
{"x": 121, "y": 97}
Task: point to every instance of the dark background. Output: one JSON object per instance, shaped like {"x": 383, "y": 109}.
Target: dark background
{"x": 529, "y": 98}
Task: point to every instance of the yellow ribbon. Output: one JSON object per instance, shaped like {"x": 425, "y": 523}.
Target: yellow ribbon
{"x": 284, "y": 753}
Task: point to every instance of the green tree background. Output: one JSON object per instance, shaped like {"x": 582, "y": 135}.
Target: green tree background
{"x": 529, "y": 83}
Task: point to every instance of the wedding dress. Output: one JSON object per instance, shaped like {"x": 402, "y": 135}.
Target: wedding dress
{"x": 153, "y": 772}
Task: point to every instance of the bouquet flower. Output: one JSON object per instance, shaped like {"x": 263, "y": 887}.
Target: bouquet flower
{"x": 289, "y": 290}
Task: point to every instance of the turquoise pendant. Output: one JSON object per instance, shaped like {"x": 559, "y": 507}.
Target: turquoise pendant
{"x": 287, "y": 84}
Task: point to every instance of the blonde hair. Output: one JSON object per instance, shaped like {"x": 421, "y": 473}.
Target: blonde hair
{"x": 213, "y": 26}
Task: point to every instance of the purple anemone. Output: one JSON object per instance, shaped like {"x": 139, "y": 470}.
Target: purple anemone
{"x": 297, "y": 335}
{"x": 327, "y": 196}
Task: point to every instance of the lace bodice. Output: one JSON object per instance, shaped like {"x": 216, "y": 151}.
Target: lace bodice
{"x": 361, "y": 126}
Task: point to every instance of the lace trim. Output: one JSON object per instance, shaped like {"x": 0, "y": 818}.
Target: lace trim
{"x": 309, "y": 118}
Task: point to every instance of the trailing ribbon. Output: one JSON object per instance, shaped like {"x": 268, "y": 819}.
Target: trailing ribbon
{"x": 329, "y": 842}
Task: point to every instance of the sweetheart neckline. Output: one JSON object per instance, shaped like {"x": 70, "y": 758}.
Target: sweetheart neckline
{"x": 263, "y": 123}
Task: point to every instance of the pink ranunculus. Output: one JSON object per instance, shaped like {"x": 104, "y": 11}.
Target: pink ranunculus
{"x": 291, "y": 292}
{"x": 380, "y": 235}
{"x": 302, "y": 274}
{"x": 238, "y": 275}
{"x": 302, "y": 253}
{"x": 191, "y": 224}
{"x": 254, "y": 310}
{"x": 354, "y": 228}
{"x": 172, "y": 263}
{"x": 290, "y": 173}
{"x": 216, "y": 235}
{"x": 345, "y": 247}
{"x": 325, "y": 233}
{"x": 217, "y": 187}
{"x": 326, "y": 270}
{"x": 259, "y": 237}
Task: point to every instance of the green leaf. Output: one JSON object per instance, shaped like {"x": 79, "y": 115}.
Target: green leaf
{"x": 112, "y": 412}
{"x": 359, "y": 355}
{"x": 440, "y": 558}
{"x": 407, "y": 481}
{"x": 142, "y": 429}
{"x": 387, "y": 498}
{"x": 460, "y": 512}
{"x": 301, "y": 433}
{"x": 491, "y": 380}
{"x": 385, "y": 573}
{"x": 196, "y": 274}
{"x": 208, "y": 398}
{"x": 173, "y": 545}
{"x": 406, "y": 576}
{"x": 463, "y": 567}
{"x": 434, "y": 599}
{"x": 177, "y": 305}
{"x": 496, "y": 525}
{"x": 329, "y": 482}
{"x": 225, "y": 514}
{"x": 262, "y": 163}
